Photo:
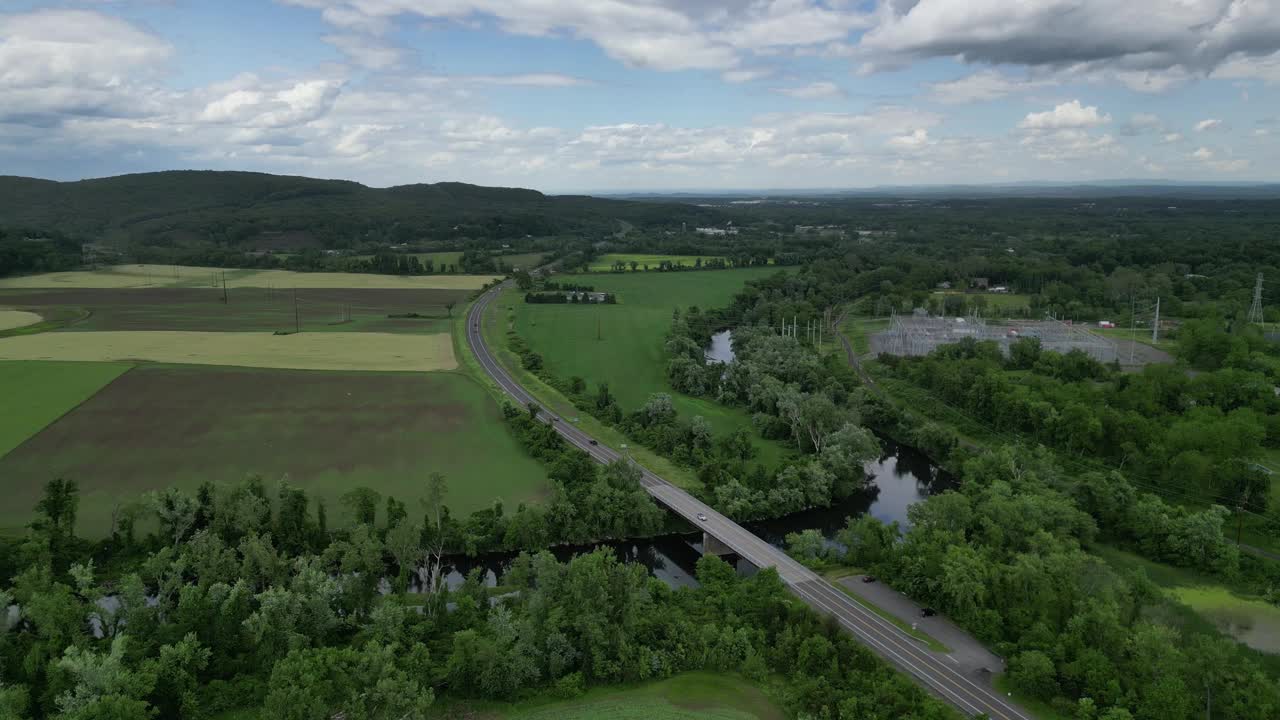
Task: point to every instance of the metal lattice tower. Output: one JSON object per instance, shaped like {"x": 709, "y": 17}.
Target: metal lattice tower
{"x": 1255, "y": 310}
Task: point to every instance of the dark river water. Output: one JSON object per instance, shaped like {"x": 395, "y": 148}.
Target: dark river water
{"x": 900, "y": 477}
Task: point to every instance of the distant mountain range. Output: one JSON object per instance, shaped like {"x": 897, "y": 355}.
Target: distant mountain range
{"x": 1097, "y": 189}
{"x": 241, "y": 208}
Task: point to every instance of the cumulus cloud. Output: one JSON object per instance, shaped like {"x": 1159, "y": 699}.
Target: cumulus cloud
{"x": 1067, "y": 115}
{"x": 916, "y": 140}
{"x": 657, "y": 34}
{"x": 1193, "y": 35}
{"x": 1202, "y": 153}
{"x": 1208, "y": 124}
{"x": 75, "y": 62}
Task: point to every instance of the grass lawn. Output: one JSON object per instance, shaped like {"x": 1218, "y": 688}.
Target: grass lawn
{"x": 152, "y": 276}
{"x": 302, "y": 351}
{"x": 691, "y": 696}
{"x": 37, "y": 393}
{"x": 181, "y": 425}
{"x": 629, "y": 355}
{"x": 997, "y": 304}
{"x": 1142, "y": 335}
{"x": 604, "y": 263}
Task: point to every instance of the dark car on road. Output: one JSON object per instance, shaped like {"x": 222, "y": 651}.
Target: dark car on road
{"x": 594, "y": 442}
{"x": 928, "y": 612}
{"x": 868, "y": 578}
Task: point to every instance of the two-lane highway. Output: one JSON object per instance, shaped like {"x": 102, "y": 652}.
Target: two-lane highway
{"x": 934, "y": 671}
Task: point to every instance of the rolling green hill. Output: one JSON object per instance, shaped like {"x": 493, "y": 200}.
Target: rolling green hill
{"x": 245, "y": 209}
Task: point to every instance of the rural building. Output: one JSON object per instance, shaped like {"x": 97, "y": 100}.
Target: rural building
{"x": 580, "y": 296}
{"x": 980, "y": 282}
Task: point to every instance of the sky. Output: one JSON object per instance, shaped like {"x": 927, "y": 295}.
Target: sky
{"x": 623, "y": 95}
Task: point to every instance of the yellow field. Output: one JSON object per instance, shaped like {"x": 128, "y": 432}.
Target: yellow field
{"x": 10, "y": 319}
{"x": 304, "y": 351}
{"x": 145, "y": 276}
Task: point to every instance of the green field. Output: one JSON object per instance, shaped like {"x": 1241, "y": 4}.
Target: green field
{"x": 522, "y": 261}
{"x": 604, "y": 263}
{"x": 629, "y": 353}
{"x": 203, "y": 309}
{"x": 1210, "y": 606}
{"x": 37, "y": 393}
{"x": 181, "y": 425}
{"x": 691, "y": 696}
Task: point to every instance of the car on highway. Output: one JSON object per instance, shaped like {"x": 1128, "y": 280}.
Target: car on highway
{"x": 594, "y": 442}
{"x": 868, "y": 578}
{"x": 928, "y": 612}
{"x": 702, "y": 517}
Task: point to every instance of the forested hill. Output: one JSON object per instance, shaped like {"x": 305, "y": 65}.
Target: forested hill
{"x": 242, "y": 208}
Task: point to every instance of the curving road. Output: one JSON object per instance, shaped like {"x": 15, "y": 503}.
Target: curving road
{"x": 936, "y": 672}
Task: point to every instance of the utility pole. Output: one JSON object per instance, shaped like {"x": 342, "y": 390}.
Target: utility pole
{"x": 224, "y": 288}
{"x": 795, "y": 323}
{"x": 297, "y": 319}
{"x": 1255, "y": 310}
{"x": 598, "y": 328}
{"x": 1155, "y": 324}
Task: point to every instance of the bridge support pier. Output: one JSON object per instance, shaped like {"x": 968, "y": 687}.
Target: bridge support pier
{"x": 711, "y": 545}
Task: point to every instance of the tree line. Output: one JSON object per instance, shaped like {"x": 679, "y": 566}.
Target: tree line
{"x": 238, "y": 602}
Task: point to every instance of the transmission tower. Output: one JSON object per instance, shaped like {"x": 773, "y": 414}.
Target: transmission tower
{"x": 1255, "y": 310}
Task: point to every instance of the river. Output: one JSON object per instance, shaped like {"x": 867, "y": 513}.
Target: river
{"x": 900, "y": 477}
{"x": 721, "y": 348}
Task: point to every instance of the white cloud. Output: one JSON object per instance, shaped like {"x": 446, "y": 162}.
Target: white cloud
{"x": 916, "y": 140}
{"x": 76, "y": 62}
{"x": 1202, "y": 153}
{"x": 1160, "y": 35}
{"x": 367, "y": 52}
{"x": 1067, "y": 115}
{"x": 742, "y": 76}
{"x": 812, "y": 91}
{"x": 1244, "y": 67}
{"x": 1172, "y": 137}
{"x": 982, "y": 86}
{"x": 1208, "y": 124}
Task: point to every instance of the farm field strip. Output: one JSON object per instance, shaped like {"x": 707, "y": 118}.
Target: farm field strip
{"x": 38, "y": 393}
{"x": 317, "y": 309}
{"x": 152, "y": 276}
{"x": 10, "y": 319}
{"x": 303, "y": 351}
{"x": 180, "y": 425}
